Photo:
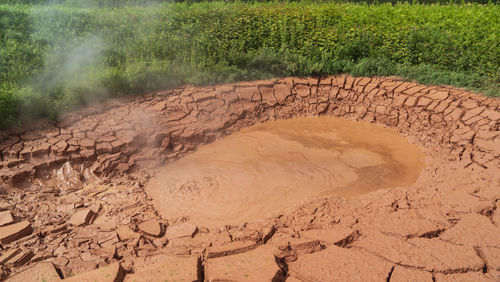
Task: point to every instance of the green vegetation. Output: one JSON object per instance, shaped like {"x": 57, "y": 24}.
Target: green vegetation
{"x": 58, "y": 57}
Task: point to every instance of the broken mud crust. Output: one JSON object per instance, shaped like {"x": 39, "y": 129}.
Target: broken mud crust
{"x": 73, "y": 203}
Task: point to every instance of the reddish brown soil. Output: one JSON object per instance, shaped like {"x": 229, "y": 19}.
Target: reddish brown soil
{"x": 74, "y": 200}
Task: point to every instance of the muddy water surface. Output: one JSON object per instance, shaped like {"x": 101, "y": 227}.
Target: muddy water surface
{"x": 264, "y": 168}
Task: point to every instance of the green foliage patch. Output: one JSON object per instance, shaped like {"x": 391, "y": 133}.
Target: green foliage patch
{"x": 58, "y": 57}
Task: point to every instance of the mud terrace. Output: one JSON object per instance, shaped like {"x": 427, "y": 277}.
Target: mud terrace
{"x": 73, "y": 203}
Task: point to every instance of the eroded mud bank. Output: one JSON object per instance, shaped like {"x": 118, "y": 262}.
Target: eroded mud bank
{"x": 116, "y": 136}
{"x": 444, "y": 226}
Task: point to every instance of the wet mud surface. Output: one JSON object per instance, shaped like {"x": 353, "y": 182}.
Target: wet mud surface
{"x": 255, "y": 173}
{"x": 77, "y": 202}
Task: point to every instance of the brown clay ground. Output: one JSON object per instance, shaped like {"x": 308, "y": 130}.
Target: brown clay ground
{"x": 74, "y": 198}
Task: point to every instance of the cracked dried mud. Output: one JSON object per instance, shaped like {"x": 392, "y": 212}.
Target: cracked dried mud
{"x": 310, "y": 179}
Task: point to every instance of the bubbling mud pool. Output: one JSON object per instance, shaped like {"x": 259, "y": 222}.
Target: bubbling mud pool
{"x": 267, "y": 167}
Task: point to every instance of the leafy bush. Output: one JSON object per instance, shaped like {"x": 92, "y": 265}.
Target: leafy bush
{"x": 58, "y": 57}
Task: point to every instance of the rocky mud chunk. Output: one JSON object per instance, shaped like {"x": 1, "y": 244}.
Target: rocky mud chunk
{"x": 106, "y": 238}
{"x": 6, "y": 218}
{"x": 150, "y": 227}
{"x": 15, "y": 231}
{"x": 166, "y": 268}
{"x": 404, "y": 274}
{"x": 473, "y": 230}
{"x": 40, "y": 150}
{"x": 303, "y": 91}
{"x": 268, "y": 96}
{"x": 423, "y": 102}
{"x": 281, "y": 92}
{"x": 181, "y": 230}
{"x": 7, "y": 255}
{"x": 125, "y": 234}
{"x": 254, "y": 265}
{"x": 42, "y": 271}
{"x": 112, "y": 273}
{"x": 472, "y": 113}
{"x": 21, "y": 258}
{"x": 339, "y": 264}
{"x": 438, "y": 94}
{"x": 349, "y": 82}
{"x": 458, "y": 201}
{"x": 428, "y": 254}
{"x": 160, "y": 106}
{"x": 406, "y": 223}
{"x": 82, "y": 217}
{"x": 491, "y": 114}
{"x": 3, "y": 204}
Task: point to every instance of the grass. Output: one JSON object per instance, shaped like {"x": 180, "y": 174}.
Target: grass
{"x": 59, "y": 57}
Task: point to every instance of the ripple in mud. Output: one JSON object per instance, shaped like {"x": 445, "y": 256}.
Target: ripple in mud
{"x": 264, "y": 168}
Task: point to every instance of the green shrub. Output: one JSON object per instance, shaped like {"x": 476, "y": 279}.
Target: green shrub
{"x": 55, "y": 58}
